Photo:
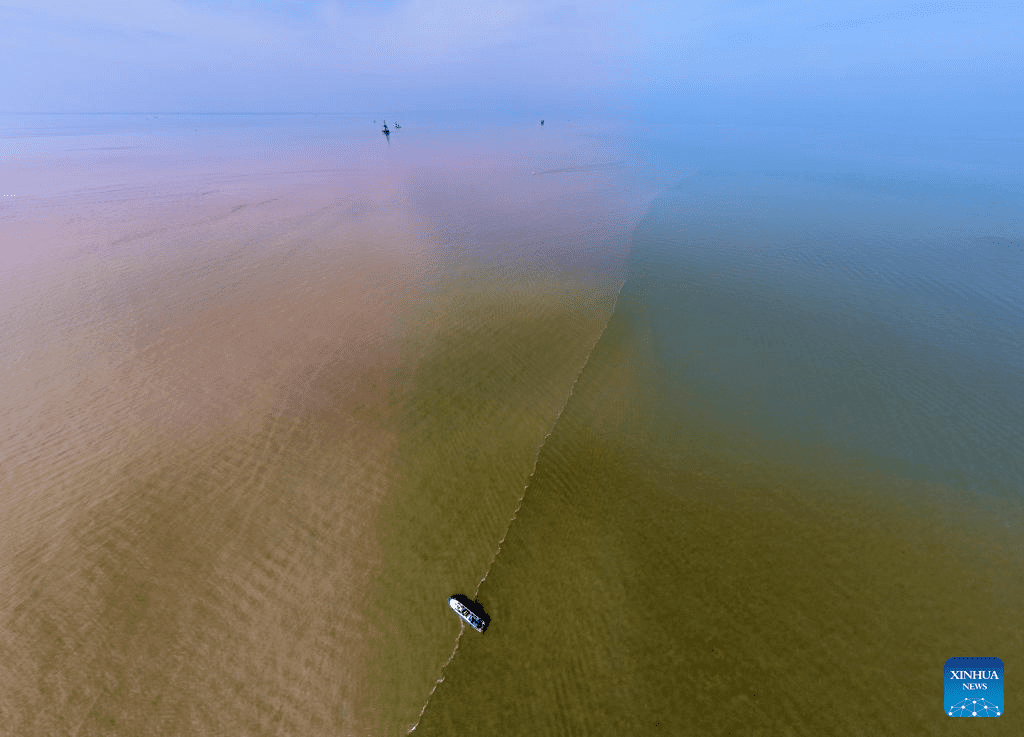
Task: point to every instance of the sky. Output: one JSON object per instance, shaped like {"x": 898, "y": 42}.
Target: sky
{"x": 525, "y": 55}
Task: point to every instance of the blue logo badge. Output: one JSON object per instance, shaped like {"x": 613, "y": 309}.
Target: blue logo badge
{"x": 974, "y": 687}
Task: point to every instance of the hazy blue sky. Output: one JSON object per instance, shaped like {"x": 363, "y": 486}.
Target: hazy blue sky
{"x": 330, "y": 55}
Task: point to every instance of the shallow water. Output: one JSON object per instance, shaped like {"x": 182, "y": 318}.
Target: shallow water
{"x": 788, "y": 484}
{"x": 228, "y": 357}
{"x": 274, "y": 388}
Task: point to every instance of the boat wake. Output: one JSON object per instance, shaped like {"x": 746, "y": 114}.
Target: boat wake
{"x": 519, "y": 504}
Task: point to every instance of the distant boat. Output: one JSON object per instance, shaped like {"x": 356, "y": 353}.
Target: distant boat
{"x": 542, "y": 122}
{"x": 385, "y": 130}
{"x": 467, "y": 616}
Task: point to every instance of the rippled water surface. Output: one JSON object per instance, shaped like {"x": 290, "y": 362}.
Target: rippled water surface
{"x": 788, "y": 482}
{"x": 721, "y": 425}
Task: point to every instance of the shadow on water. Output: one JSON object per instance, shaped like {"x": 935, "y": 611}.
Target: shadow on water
{"x": 476, "y": 607}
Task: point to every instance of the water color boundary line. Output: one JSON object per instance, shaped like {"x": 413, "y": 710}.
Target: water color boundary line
{"x": 519, "y": 504}
{"x": 440, "y": 679}
{"x": 547, "y": 436}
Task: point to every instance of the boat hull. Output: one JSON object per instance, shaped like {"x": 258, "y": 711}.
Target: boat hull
{"x": 467, "y": 615}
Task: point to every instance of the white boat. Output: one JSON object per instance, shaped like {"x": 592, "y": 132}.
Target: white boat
{"x": 467, "y": 616}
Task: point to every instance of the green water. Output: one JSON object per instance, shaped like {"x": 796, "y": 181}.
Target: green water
{"x": 787, "y": 485}
{"x": 722, "y": 429}
{"x": 478, "y": 407}
{"x": 653, "y": 580}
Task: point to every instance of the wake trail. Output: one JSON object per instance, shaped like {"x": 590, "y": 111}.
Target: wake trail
{"x": 519, "y": 504}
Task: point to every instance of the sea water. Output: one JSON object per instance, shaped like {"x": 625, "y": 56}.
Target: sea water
{"x": 720, "y": 421}
{"x": 788, "y": 480}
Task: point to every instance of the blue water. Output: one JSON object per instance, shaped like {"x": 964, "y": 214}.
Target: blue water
{"x": 813, "y": 295}
{"x": 845, "y": 294}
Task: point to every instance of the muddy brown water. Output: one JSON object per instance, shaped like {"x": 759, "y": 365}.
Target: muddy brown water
{"x": 270, "y": 394}
{"x": 259, "y": 416}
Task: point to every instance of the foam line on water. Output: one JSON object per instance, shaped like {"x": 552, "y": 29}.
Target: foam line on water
{"x": 543, "y": 442}
{"x": 519, "y": 504}
{"x": 440, "y": 679}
